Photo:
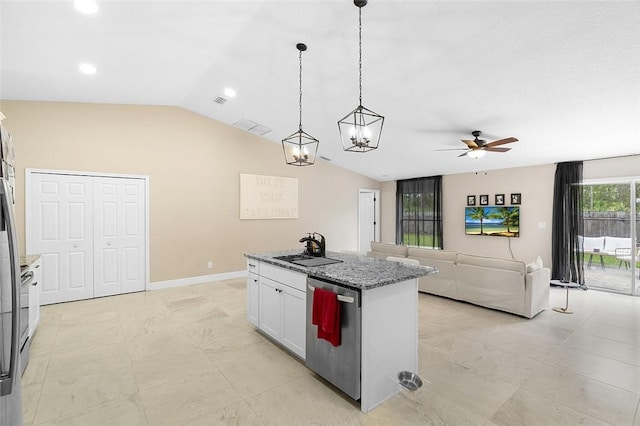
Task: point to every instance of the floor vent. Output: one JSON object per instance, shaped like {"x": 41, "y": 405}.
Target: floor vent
{"x": 220, "y": 100}
{"x": 251, "y": 126}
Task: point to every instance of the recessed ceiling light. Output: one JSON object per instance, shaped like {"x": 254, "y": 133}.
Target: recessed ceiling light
{"x": 86, "y": 6}
{"x": 87, "y": 68}
{"x": 229, "y": 92}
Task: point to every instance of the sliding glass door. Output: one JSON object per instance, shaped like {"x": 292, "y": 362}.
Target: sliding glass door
{"x": 610, "y": 241}
{"x": 636, "y": 262}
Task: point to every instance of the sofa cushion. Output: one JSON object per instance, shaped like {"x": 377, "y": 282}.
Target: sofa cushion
{"x": 421, "y": 252}
{"x": 389, "y": 249}
{"x": 492, "y": 262}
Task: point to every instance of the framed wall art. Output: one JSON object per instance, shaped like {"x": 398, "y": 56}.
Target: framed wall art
{"x": 268, "y": 197}
{"x": 471, "y": 200}
{"x": 484, "y": 200}
{"x": 516, "y": 198}
{"x": 499, "y": 199}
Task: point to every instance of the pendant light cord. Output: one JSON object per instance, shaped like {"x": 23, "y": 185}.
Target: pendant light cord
{"x": 300, "y": 122}
{"x": 360, "y": 52}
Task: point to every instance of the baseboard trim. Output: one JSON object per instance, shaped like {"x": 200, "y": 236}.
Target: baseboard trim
{"x": 180, "y": 282}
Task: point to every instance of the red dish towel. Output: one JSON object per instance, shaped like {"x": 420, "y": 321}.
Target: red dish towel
{"x": 326, "y": 315}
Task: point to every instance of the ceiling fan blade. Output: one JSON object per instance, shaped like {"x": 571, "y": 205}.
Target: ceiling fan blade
{"x": 493, "y": 149}
{"x": 470, "y": 144}
{"x": 463, "y": 154}
{"x": 501, "y": 142}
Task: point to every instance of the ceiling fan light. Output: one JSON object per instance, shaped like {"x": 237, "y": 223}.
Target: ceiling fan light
{"x": 476, "y": 153}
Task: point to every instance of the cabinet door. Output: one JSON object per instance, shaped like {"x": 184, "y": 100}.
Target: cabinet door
{"x": 34, "y": 297}
{"x": 253, "y": 299}
{"x": 270, "y": 308}
{"x": 294, "y": 321}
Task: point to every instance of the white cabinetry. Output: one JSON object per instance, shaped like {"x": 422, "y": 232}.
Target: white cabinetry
{"x": 253, "y": 292}
{"x": 271, "y": 308}
{"x": 253, "y": 299}
{"x": 294, "y": 320}
{"x": 281, "y": 306}
{"x": 34, "y": 296}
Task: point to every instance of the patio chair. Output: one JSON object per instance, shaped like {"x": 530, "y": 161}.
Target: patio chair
{"x": 624, "y": 256}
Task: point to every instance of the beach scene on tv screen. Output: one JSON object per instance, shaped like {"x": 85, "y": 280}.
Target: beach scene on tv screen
{"x": 492, "y": 220}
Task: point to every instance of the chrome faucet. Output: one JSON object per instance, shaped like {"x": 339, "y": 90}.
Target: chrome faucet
{"x": 311, "y": 240}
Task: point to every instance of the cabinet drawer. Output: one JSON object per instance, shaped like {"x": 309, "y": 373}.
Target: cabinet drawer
{"x": 294, "y": 279}
{"x": 253, "y": 266}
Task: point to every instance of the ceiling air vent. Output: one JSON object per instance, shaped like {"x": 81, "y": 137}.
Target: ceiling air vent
{"x": 325, "y": 158}
{"x": 220, "y": 100}
{"x": 251, "y": 126}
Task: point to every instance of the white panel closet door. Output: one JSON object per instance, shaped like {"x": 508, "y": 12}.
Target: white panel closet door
{"x": 62, "y": 231}
{"x": 119, "y": 235}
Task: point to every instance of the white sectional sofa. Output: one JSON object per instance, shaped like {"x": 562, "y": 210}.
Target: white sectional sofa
{"x": 507, "y": 285}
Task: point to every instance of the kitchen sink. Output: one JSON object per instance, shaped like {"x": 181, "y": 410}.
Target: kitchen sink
{"x": 306, "y": 260}
{"x": 294, "y": 257}
{"x": 316, "y": 261}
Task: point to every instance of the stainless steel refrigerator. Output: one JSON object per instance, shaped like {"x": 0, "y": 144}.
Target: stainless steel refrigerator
{"x": 10, "y": 309}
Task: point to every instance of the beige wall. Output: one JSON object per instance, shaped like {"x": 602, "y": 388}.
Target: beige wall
{"x": 193, "y": 164}
{"x": 388, "y": 212}
{"x": 536, "y": 186}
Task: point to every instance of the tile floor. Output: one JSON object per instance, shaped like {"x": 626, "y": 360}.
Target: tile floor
{"x": 187, "y": 356}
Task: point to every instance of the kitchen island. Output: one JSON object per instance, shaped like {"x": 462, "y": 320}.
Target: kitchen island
{"x": 379, "y": 303}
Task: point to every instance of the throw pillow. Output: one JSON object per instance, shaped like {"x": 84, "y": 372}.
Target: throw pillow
{"x": 532, "y": 267}
{"x": 535, "y": 266}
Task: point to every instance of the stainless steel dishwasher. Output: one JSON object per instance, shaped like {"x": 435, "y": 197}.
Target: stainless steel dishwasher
{"x": 339, "y": 365}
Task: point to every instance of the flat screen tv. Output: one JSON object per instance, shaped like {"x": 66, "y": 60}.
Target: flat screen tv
{"x": 498, "y": 221}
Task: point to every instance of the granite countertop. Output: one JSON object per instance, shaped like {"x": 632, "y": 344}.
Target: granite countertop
{"x": 28, "y": 259}
{"x": 358, "y": 272}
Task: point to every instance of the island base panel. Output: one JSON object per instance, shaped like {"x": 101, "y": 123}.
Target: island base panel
{"x": 389, "y": 340}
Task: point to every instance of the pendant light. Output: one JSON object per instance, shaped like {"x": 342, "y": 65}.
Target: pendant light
{"x": 360, "y": 130}
{"x": 300, "y": 148}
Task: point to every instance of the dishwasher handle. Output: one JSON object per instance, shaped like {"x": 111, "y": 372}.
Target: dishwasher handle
{"x": 341, "y": 298}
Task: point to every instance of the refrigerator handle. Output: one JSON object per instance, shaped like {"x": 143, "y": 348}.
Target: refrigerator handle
{"x": 7, "y": 381}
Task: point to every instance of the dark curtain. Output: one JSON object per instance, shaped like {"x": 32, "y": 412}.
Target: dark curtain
{"x": 419, "y": 212}
{"x": 567, "y": 224}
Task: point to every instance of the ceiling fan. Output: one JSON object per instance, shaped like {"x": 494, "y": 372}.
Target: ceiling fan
{"x": 478, "y": 147}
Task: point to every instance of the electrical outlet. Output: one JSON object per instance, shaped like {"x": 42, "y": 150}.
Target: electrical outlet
{"x": 210, "y": 265}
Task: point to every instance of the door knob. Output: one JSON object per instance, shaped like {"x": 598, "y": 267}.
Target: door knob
{"x": 108, "y": 243}
{"x": 75, "y": 245}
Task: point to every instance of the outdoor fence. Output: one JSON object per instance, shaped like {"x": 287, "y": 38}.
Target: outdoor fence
{"x": 612, "y": 224}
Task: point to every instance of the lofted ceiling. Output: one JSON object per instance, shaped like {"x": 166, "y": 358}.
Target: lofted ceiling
{"x": 561, "y": 76}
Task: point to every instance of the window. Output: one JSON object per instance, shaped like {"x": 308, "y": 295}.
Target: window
{"x": 419, "y": 212}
